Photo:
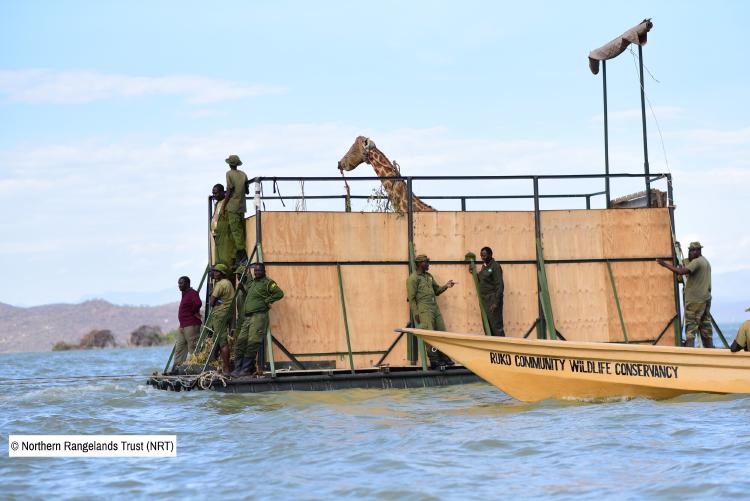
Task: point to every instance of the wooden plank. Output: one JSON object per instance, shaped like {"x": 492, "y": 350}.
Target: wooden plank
{"x": 579, "y": 295}
{"x": 449, "y": 235}
{"x": 334, "y": 236}
{"x": 460, "y": 306}
{"x": 572, "y": 234}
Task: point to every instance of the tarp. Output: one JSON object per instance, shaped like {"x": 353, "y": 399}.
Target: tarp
{"x": 637, "y": 35}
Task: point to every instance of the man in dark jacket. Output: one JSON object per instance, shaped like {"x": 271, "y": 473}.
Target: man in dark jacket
{"x": 189, "y": 315}
{"x": 491, "y": 288}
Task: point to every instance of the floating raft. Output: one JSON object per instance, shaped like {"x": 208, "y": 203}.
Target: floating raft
{"x": 319, "y": 380}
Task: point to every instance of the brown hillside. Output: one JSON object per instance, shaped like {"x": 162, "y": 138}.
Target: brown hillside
{"x": 38, "y": 328}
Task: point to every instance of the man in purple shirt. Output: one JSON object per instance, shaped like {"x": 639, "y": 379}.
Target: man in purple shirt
{"x": 189, "y": 316}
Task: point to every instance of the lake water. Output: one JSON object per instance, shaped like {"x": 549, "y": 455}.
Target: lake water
{"x": 460, "y": 442}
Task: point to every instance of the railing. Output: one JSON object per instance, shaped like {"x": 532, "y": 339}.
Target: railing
{"x": 545, "y": 321}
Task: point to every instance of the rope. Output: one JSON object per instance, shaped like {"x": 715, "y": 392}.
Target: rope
{"x": 276, "y": 189}
{"x": 205, "y": 380}
{"x": 651, "y": 108}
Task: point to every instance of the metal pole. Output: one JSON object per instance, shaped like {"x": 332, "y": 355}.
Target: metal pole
{"x": 346, "y": 320}
{"x": 588, "y": 202}
{"x": 541, "y": 326}
{"x": 617, "y": 301}
{"x": 675, "y": 262}
{"x": 463, "y": 204}
{"x": 606, "y": 137}
{"x": 645, "y": 141}
{"x": 412, "y": 267}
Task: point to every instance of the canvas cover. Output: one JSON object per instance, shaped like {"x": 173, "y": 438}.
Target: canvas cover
{"x": 637, "y": 35}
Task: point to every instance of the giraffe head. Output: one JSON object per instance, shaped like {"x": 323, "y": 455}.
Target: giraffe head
{"x": 357, "y": 154}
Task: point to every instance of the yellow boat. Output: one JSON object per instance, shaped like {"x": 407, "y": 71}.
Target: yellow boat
{"x": 536, "y": 369}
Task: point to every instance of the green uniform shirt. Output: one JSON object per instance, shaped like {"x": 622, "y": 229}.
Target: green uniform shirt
{"x": 224, "y": 291}
{"x": 237, "y": 180}
{"x": 698, "y": 287}
{"x": 421, "y": 290}
{"x": 491, "y": 284}
{"x": 743, "y": 335}
{"x": 261, "y": 292}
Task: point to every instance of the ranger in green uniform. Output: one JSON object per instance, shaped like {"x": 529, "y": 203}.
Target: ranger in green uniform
{"x": 261, "y": 292}
{"x": 697, "y": 295}
{"x": 491, "y": 288}
{"x": 742, "y": 341}
{"x": 223, "y": 241}
{"x": 221, "y": 299}
{"x": 236, "y": 190}
{"x": 421, "y": 292}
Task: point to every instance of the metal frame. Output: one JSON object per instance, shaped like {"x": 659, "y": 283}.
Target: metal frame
{"x": 541, "y": 323}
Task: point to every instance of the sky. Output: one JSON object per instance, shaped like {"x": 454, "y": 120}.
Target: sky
{"x": 117, "y": 118}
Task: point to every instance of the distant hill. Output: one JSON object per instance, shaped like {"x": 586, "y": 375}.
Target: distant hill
{"x": 38, "y": 328}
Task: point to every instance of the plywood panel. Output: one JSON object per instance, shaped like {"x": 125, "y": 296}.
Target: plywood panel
{"x": 309, "y": 318}
{"x": 447, "y": 236}
{"x": 376, "y": 304}
{"x": 572, "y": 234}
{"x": 333, "y": 236}
{"x": 647, "y": 300}
{"x": 636, "y": 233}
{"x": 460, "y": 306}
{"x": 579, "y": 300}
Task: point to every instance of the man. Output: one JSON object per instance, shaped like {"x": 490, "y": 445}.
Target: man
{"x": 421, "y": 292}
{"x": 236, "y": 190}
{"x": 697, "y": 295}
{"x": 491, "y": 289}
{"x": 224, "y": 243}
{"x": 260, "y": 294}
{"x": 240, "y": 302}
{"x": 189, "y": 316}
{"x": 217, "y": 325}
{"x": 742, "y": 341}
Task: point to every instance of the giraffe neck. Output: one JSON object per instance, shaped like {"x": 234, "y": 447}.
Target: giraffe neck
{"x": 396, "y": 189}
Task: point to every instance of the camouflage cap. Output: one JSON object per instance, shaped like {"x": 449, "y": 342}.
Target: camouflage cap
{"x": 420, "y": 258}
{"x": 240, "y": 270}
{"x": 695, "y": 245}
{"x": 233, "y": 160}
{"x": 221, "y": 268}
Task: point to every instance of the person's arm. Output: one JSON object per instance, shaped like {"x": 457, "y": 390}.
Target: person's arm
{"x": 273, "y": 293}
{"x": 497, "y": 286}
{"x": 736, "y": 347}
{"x": 230, "y": 187}
{"x": 679, "y": 270}
{"x": 440, "y": 290}
{"x": 411, "y": 297}
{"x": 196, "y": 304}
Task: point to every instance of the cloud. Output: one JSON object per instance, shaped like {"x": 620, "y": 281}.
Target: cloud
{"x": 76, "y": 87}
{"x": 140, "y": 203}
{"x": 661, "y": 113}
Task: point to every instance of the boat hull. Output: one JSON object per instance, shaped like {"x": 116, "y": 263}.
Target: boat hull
{"x": 532, "y": 370}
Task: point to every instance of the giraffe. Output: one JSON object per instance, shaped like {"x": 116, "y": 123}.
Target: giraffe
{"x": 364, "y": 150}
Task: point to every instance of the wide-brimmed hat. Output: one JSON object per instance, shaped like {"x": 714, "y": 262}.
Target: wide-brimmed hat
{"x": 695, "y": 245}
{"x": 233, "y": 160}
{"x": 221, "y": 268}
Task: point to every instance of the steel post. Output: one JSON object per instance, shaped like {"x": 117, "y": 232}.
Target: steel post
{"x": 346, "y": 319}
{"x": 643, "y": 120}
{"x": 606, "y": 136}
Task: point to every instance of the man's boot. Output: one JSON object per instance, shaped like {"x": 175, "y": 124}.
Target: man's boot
{"x": 238, "y": 363}
{"x": 248, "y": 366}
